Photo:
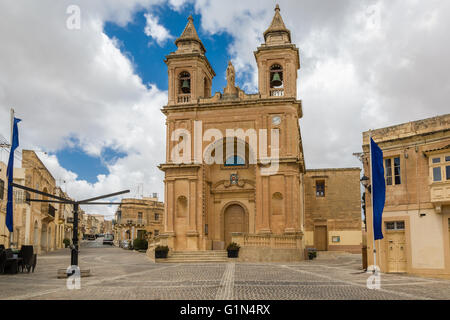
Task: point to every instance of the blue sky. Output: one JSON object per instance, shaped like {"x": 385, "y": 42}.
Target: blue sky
{"x": 147, "y": 57}
{"x": 365, "y": 64}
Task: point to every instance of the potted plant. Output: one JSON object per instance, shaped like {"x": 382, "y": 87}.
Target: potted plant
{"x": 233, "y": 250}
{"x": 140, "y": 244}
{"x": 66, "y": 242}
{"x": 161, "y": 252}
{"x": 312, "y": 253}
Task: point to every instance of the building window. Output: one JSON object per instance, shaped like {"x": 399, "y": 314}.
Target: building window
{"x": 392, "y": 171}
{"x": 2, "y": 189}
{"x": 185, "y": 83}
{"x": 276, "y": 81}
{"x": 156, "y": 216}
{"x": 156, "y": 233}
{"x": 139, "y": 217}
{"x": 320, "y": 188}
{"x": 234, "y": 161}
{"x": 440, "y": 168}
{"x": 437, "y": 174}
{"x": 395, "y": 225}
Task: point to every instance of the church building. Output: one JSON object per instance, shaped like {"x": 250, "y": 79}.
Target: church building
{"x": 234, "y": 167}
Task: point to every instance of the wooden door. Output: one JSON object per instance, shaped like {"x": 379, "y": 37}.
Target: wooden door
{"x": 396, "y": 251}
{"x": 320, "y": 238}
{"x": 234, "y": 221}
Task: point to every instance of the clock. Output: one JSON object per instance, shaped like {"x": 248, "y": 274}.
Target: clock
{"x": 276, "y": 120}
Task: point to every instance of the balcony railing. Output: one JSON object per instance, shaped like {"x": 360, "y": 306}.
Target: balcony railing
{"x": 184, "y": 98}
{"x": 48, "y": 211}
{"x": 276, "y": 92}
{"x": 132, "y": 222}
{"x": 269, "y": 240}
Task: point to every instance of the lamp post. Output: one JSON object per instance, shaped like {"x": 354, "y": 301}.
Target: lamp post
{"x": 76, "y": 204}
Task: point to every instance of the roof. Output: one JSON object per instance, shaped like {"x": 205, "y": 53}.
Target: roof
{"x": 190, "y": 34}
{"x": 277, "y": 24}
{"x": 438, "y": 149}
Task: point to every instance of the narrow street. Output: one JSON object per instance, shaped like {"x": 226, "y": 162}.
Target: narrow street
{"x": 124, "y": 274}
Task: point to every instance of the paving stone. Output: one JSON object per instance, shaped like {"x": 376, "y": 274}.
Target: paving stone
{"x": 124, "y": 274}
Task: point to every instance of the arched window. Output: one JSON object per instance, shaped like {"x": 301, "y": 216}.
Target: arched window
{"x": 184, "y": 81}
{"x": 182, "y": 205}
{"x": 276, "y": 78}
{"x": 235, "y": 154}
{"x": 234, "y": 161}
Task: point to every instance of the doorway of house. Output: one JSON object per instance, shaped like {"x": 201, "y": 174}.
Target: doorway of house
{"x": 234, "y": 221}
{"x": 320, "y": 238}
{"x": 396, "y": 246}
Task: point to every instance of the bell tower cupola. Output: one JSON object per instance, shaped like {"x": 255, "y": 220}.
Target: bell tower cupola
{"x": 190, "y": 73}
{"x": 278, "y": 61}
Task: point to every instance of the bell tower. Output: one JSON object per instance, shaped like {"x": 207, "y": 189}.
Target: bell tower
{"x": 278, "y": 61}
{"x": 190, "y": 73}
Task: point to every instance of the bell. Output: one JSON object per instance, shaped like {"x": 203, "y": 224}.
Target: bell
{"x": 185, "y": 87}
{"x": 276, "y": 80}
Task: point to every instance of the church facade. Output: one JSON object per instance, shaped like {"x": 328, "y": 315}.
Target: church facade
{"x": 234, "y": 168}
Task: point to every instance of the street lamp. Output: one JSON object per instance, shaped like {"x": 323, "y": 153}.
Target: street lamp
{"x": 365, "y": 181}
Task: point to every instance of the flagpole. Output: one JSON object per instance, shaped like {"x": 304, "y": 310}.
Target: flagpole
{"x": 11, "y": 234}
{"x": 371, "y": 202}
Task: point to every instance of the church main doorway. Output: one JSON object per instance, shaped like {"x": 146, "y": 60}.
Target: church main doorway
{"x": 234, "y": 221}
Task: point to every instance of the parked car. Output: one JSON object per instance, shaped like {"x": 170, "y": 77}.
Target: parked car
{"x": 127, "y": 244}
{"x": 91, "y": 237}
{"x": 108, "y": 239}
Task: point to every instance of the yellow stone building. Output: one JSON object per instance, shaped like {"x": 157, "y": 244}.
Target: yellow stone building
{"x": 234, "y": 168}
{"x": 333, "y": 209}
{"x": 42, "y": 225}
{"x": 21, "y": 210}
{"x": 416, "y": 217}
{"x": 138, "y": 219}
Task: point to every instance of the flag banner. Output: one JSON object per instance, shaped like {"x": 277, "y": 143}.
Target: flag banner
{"x": 378, "y": 189}
{"x": 10, "y": 174}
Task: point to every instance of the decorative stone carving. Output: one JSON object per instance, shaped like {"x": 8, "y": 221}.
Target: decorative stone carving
{"x": 230, "y": 89}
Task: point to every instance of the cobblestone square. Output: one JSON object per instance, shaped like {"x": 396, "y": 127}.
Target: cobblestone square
{"x": 124, "y": 274}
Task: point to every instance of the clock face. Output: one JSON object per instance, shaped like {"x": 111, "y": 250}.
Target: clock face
{"x": 276, "y": 120}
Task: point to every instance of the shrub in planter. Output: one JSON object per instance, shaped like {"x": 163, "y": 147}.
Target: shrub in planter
{"x": 233, "y": 250}
{"x": 66, "y": 242}
{"x": 312, "y": 253}
{"x": 161, "y": 251}
{"x": 140, "y": 244}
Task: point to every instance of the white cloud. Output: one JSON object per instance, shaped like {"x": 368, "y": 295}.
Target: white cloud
{"x": 178, "y": 5}
{"x": 77, "y": 84}
{"x": 156, "y": 31}
{"x": 365, "y": 64}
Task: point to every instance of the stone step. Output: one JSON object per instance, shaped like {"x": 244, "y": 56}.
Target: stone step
{"x": 196, "y": 256}
{"x": 205, "y": 252}
{"x": 189, "y": 261}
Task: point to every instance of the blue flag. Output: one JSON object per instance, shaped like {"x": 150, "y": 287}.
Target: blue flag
{"x": 10, "y": 175}
{"x": 378, "y": 189}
